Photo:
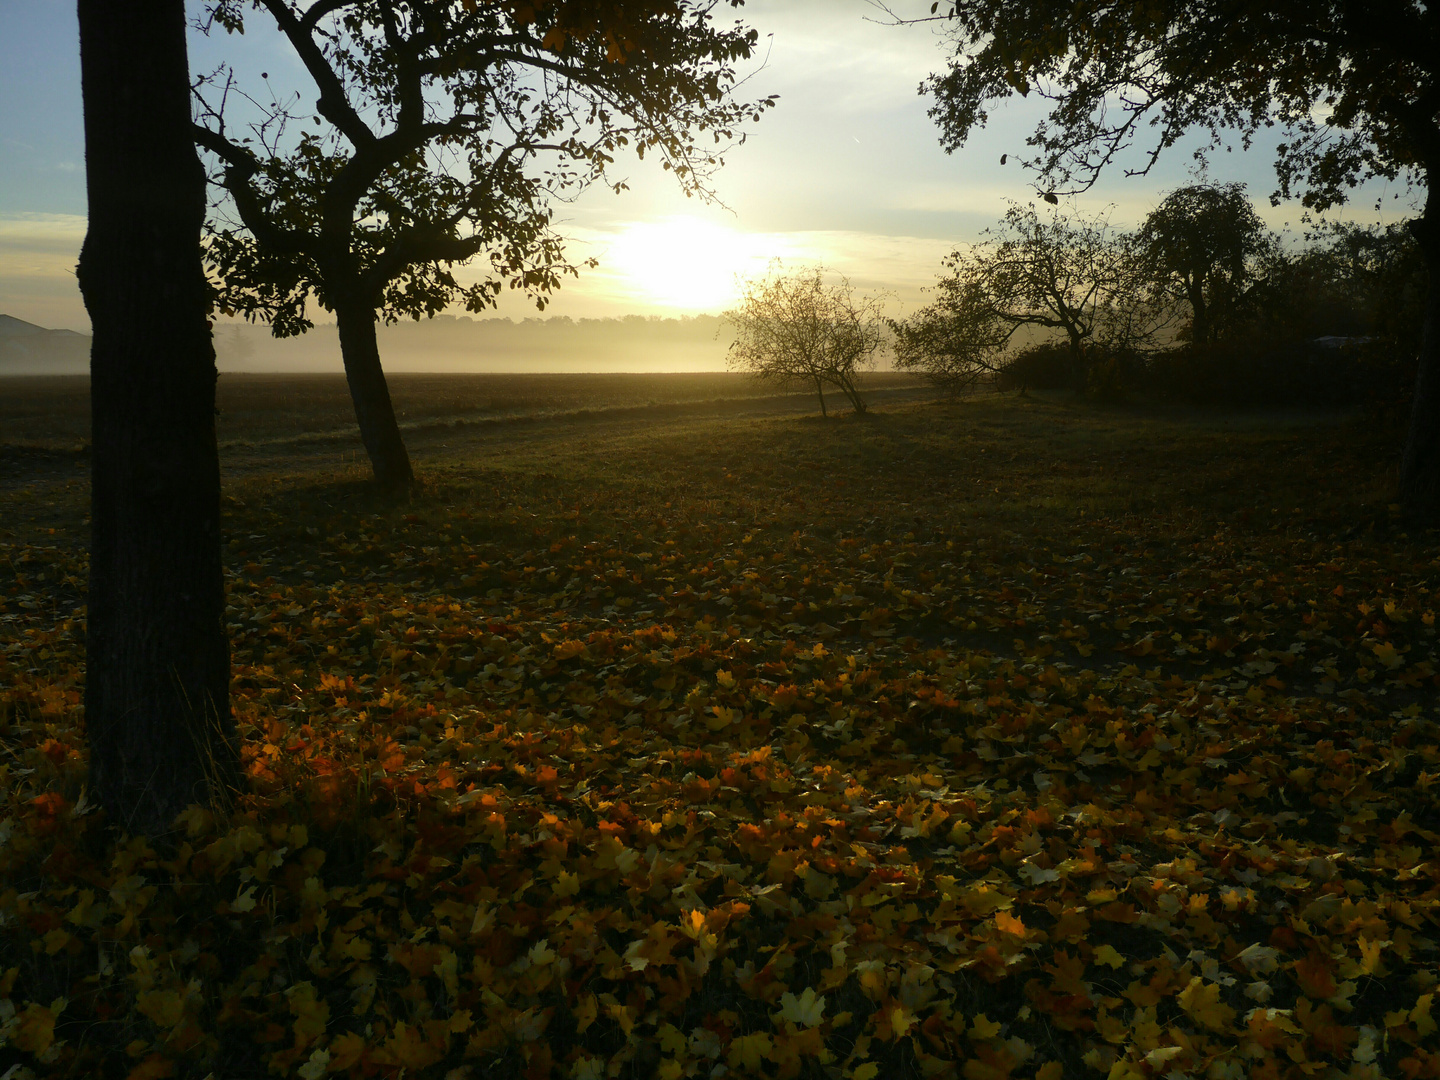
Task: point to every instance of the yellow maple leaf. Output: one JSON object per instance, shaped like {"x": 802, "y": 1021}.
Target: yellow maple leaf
{"x": 1386, "y": 654}
{"x": 807, "y": 1010}
{"x": 621, "y": 1015}
{"x": 1420, "y": 1015}
{"x": 748, "y": 1051}
{"x": 484, "y": 918}
{"x": 566, "y": 884}
{"x": 818, "y": 886}
{"x": 311, "y": 1015}
{"x": 165, "y": 1007}
{"x": 984, "y": 1028}
{"x": 408, "y": 1047}
{"x": 567, "y": 650}
{"x": 345, "y": 1051}
{"x": 901, "y": 1021}
{"x": 1202, "y": 1001}
{"x": 1161, "y": 1055}
{"x": 585, "y": 1013}
{"x": 244, "y": 902}
{"x": 1370, "y": 955}
{"x": 722, "y": 717}
{"x": 1106, "y": 954}
{"x": 34, "y": 1030}
{"x": 671, "y": 1039}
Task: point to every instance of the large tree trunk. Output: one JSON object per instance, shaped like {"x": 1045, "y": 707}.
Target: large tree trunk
{"x": 1200, "y": 323}
{"x": 1420, "y": 467}
{"x": 157, "y": 706}
{"x": 373, "y": 410}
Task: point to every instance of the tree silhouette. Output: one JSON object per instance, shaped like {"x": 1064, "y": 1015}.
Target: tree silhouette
{"x": 157, "y": 710}
{"x": 1355, "y": 83}
{"x": 1070, "y": 276}
{"x": 1204, "y": 244}
{"x": 443, "y": 131}
{"x": 797, "y": 329}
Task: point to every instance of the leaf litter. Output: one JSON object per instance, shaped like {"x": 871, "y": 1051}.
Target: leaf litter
{"x": 768, "y": 775}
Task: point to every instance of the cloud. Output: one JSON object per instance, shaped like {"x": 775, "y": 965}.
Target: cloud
{"x": 840, "y": 55}
{"x": 38, "y": 253}
{"x": 43, "y": 234}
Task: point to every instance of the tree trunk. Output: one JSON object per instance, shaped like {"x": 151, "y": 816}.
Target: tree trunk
{"x": 1077, "y": 363}
{"x": 1420, "y": 467}
{"x": 157, "y": 705}
{"x": 851, "y": 392}
{"x": 1200, "y": 322}
{"x": 374, "y": 412}
{"x": 820, "y": 389}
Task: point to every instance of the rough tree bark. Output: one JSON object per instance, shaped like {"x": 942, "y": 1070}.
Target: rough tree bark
{"x": 374, "y": 412}
{"x": 1420, "y": 467}
{"x": 157, "y": 707}
{"x": 1200, "y": 323}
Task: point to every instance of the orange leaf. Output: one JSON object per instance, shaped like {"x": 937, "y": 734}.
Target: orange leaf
{"x": 1009, "y": 924}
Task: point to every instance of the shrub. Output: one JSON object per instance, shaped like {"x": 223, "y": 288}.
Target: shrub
{"x": 1040, "y": 367}
{"x": 1283, "y": 373}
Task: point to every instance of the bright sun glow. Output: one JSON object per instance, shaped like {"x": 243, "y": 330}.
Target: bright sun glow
{"x": 686, "y": 263}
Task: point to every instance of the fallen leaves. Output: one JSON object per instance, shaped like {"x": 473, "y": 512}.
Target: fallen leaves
{"x": 761, "y": 796}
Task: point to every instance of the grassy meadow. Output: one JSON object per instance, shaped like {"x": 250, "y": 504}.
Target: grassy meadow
{"x": 673, "y": 731}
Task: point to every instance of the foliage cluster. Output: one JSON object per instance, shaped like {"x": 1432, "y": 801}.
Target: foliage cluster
{"x": 1072, "y": 277}
{"x": 1282, "y": 374}
{"x": 1350, "y": 83}
{"x": 441, "y": 135}
{"x": 1201, "y": 304}
{"x": 985, "y": 741}
{"x": 1204, "y": 246}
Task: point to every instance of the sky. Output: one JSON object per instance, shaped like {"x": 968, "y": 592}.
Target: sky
{"x": 846, "y": 171}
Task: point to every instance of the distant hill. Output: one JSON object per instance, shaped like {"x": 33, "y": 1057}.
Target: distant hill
{"x": 27, "y": 349}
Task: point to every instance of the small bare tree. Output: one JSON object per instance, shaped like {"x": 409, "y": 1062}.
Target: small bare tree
{"x": 794, "y": 329}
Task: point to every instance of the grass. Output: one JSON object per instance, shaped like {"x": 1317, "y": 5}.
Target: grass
{"x": 53, "y": 414}
{"x": 1036, "y": 739}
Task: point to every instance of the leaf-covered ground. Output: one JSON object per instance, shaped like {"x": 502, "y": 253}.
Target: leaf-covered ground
{"x": 1000, "y": 739}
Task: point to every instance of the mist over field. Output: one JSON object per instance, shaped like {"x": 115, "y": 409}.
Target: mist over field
{"x": 445, "y": 344}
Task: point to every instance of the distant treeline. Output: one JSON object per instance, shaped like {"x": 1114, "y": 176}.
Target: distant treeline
{"x": 467, "y": 344}
{"x": 1201, "y": 304}
{"x": 446, "y": 343}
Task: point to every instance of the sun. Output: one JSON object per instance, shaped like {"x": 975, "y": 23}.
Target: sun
{"x": 685, "y": 263}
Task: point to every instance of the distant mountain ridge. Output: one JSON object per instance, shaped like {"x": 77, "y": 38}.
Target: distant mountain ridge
{"x": 27, "y": 349}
